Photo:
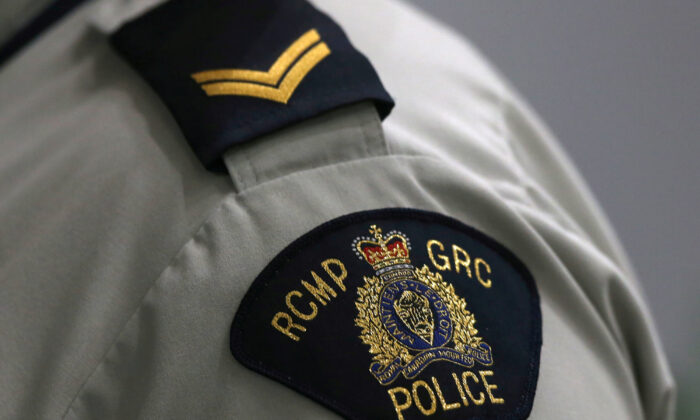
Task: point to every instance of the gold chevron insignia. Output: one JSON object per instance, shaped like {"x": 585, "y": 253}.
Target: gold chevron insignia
{"x": 294, "y": 64}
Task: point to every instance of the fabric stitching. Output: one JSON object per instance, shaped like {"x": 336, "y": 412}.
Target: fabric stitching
{"x": 340, "y": 164}
{"x": 370, "y": 132}
{"x": 173, "y": 262}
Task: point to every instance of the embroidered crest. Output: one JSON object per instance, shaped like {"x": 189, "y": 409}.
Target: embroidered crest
{"x": 384, "y": 325}
{"x": 411, "y": 317}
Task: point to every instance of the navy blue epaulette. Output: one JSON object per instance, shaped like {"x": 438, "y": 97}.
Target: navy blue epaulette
{"x": 231, "y": 71}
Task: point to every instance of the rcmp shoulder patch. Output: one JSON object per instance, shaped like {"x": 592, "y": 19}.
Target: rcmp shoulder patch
{"x": 396, "y": 313}
{"x": 231, "y": 71}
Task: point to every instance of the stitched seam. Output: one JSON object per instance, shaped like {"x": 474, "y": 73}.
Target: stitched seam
{"x": 238, "y": 177}
{"x": 326, "y": 103}
{"x": 365, "y": 136}
{"x": 367, "y": 128}
{"x": 118, "y": 335}
{"x": 251, "y": 176}
{"x": 375, "y": 133}
{"x": 340, "y": 164}
{"x": 177, "y": 255}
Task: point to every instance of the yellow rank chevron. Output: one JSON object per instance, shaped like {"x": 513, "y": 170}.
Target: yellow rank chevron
{"x": 303, "y": 54}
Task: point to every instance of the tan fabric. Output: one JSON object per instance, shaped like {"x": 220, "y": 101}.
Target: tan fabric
{"x": 122, "y": 261}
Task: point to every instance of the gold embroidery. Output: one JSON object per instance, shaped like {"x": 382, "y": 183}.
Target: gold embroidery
{"x": 456, "y": 252}
{"x": 337, "y": 278}
{"x": 477, "y": 263}
{"x": 489, "y": 387}
{"x": 297, "y": 312}
{"x": 445, "y": 405}
{"x": 319, "y": 289}
{"x": 268, "y": 84}
{"x": 460, "y": 390}
{"x": 411, "y": 317}
{"x": 445, "y": 261}
{"x": 411, "y": 395}
{"x": 382, "y": 252}
{"x": 466, "y": 375}
{"x": 290, "y": 324}
{"x": 419, "y": 403}
{"x": 270, "y": 77}
{"x": 461, "y": 258}
{"x": 386, "y": 349}
{"x": 400, "y": 407}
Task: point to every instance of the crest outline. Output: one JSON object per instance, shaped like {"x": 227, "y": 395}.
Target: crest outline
{"x": 391, "y": 356}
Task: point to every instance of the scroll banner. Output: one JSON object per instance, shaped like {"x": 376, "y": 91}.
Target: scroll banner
{"x": 481, "y": 354}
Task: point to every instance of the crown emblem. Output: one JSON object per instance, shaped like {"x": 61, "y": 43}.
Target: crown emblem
{"x": 384, "y": 252}
{"x": 411, "y": 317}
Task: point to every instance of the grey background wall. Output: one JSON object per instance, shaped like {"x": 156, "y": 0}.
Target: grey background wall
{"x": 619, "y": 84}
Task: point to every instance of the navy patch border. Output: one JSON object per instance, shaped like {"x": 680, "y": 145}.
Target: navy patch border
{"x": 290, "y": 252}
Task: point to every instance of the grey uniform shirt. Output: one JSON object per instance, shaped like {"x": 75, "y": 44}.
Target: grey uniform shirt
{"x": 121, "y": 257}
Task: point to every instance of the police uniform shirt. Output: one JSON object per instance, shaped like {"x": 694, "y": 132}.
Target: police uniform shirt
{"x": 128, "y": 269}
